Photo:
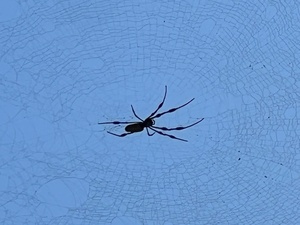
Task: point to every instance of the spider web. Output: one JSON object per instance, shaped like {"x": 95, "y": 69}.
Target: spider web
{"x": 67, "y": 65}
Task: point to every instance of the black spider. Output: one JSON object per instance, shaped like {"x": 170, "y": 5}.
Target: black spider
{"x": 149, "y": 122}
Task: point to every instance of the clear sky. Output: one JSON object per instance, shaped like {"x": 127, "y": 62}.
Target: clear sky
{"x": 67, "y": 65}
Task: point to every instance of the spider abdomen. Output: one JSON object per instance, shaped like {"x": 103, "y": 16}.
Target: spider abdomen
{"x": 136, "y": 127}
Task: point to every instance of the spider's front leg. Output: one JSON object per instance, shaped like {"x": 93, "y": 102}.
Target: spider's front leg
{"x": 168, "y": 135}
{"x": 177, "y": 128}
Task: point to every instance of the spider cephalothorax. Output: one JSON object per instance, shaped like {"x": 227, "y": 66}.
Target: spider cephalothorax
{"x": 149, "y": 122}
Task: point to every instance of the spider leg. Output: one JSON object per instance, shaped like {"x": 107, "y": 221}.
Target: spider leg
{"x": 177, "y": 128}
{"x": 172, "y": 110}
{"x": 170, "y": 136}
{"x": 117, "y": 122}
{"x": 161, "y": 104}
{"x": 135, "y": 113}
{"x": 119, "y": 135}
{"x": 149, "y": 132}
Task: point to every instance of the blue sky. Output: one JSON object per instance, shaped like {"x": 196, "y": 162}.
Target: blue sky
{"x": 67, "y": 65}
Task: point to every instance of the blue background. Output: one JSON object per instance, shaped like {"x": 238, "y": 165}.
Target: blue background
{"x": 67, "y": 65}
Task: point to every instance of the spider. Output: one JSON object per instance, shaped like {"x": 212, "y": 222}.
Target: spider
{"x": 149, "y": 122}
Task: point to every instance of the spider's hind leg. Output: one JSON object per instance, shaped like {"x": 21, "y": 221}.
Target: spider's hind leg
{"x": 119, "y": 135}
{"x": 149, "y": 132}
